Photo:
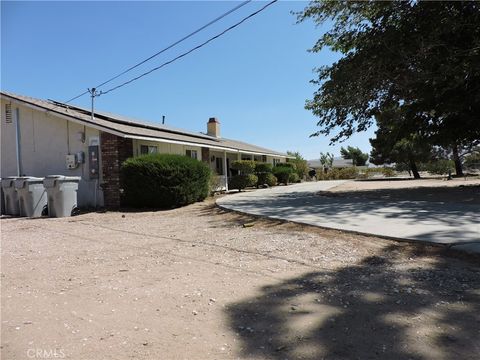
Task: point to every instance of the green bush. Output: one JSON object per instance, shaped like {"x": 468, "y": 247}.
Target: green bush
{"x": 244, "y": 166}
{"x": 293, "y": 178}
{"x": 263, "y": 168}
{"x": 242, "y": 181}
{"x": 440, "y": 167}
{"x": 282, "y": 173}
{"x": 266, "y": 178}
{"x": 288, "y": 165}
{"x": 164, "y": 181}
{"x": 336, "y": 174}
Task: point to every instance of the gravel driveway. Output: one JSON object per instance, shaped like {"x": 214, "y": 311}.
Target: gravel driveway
{"x": 193, "y": 283}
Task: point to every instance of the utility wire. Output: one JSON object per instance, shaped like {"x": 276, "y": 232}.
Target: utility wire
{"x": 189, "y": 51}
{"x": 164, "y": 49}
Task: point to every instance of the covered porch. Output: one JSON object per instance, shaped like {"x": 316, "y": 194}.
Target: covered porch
{"x": 220, "y": 163}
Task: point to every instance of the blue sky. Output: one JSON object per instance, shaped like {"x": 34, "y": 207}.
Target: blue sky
{"x": 255, "y": 78}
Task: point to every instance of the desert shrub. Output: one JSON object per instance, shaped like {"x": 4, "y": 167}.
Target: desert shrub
{"x": 216, "y": 183}
{"x": 242, "y": 181}
{"x": 336, "y": 174}
{"x": 244, "y": 166}
{"x": 388, "y": 171}
{"x": 282, "y": 173}
{"x": 440, "y": 167}
{"x": 348, "y": 173}
{"x": 164, "y": 181}
{"x": 293, "y": 178}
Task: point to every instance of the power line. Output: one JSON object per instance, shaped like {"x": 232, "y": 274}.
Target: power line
{"x": 165, "y": 49}
{"x": 189, "y": 51}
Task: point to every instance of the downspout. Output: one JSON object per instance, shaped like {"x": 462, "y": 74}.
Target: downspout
{"x": 17, "y": 140}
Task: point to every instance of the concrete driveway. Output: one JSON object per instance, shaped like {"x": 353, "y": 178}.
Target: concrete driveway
{"x": 437, "y": 222}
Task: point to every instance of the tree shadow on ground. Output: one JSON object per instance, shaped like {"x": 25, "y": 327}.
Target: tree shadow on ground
{"x": 388, "y": 306}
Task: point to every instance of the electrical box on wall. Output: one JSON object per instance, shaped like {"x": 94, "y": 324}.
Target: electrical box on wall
{"x": 93, "y": 163}
{"x": 71, "y": 161}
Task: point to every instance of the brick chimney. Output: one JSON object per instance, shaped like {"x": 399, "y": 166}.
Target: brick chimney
{"x": 213, "y": 127}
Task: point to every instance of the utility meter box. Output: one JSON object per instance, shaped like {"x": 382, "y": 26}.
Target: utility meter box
{"x": 71, "y": 161}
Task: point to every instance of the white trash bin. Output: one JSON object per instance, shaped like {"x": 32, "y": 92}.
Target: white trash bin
{"x": 10, "y": 196}
{"x": 61, "y": 194}
{"x": 32, "y": 197}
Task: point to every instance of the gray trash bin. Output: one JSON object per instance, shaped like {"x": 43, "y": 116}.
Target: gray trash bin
{"x": 10, "y": 196}
{"x": 32, "y": 197}
{"x": 61, "y": 194}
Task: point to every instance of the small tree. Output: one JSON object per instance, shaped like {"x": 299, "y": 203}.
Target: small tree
{"x": 326, "y": 159}
{"x": 282, "y": 172}
{"x": 300, "y": 164}
{"x": 245, "y": 177}
{"x": 355, "y": 154}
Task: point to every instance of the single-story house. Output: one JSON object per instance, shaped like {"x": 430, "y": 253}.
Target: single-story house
{"x": 44, "y": 137}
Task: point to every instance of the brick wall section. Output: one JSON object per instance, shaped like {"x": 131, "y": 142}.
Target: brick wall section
{"x": 114, "y": 150}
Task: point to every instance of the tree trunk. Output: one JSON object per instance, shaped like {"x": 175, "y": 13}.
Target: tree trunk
{"x": 457, "y": 161}
{"x": 413, "y": 167}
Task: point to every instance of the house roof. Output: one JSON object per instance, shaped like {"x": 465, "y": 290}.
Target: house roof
{"x": 132, "y": 128}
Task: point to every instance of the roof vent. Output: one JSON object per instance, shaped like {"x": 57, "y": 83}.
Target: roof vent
{"x": 8, "y": 113}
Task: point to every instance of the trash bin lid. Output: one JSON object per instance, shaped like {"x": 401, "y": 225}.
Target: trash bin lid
{"x": 8, "y": 181}
{"x": 63, "y": 177}
{"x": 21, "y": 181}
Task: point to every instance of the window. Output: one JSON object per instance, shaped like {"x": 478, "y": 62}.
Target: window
{"x": 192, "y": 153}
{"x": 275, "y": 161}
{"x": 147, "y": 149}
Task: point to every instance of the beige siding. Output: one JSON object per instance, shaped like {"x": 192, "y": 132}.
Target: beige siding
{"x": 166, "y": 148}
{"x": 45, "y": 140}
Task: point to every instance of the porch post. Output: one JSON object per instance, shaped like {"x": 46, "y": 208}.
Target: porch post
{"x": 225, "y": 170}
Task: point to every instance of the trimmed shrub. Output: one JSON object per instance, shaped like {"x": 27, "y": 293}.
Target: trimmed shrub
{"x": 267, "y": 178}
{"x": 263, "y": 168}
{"x": 244, "y": 166}
{"x": 282, "y": 173}
{"x": 164, "y": 181}
{"x": 293, "y": 178}
{"x": 287, "y": 164}
{"x": 243, "y": 181}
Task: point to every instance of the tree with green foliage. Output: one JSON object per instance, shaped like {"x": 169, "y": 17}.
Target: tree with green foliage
{"x": 394, "y": 142}
{"x": 355, "y": 154}
{"x": 301, "y": 165}
{"x": 420, "y": 56}
{"x": 326, "y": 159}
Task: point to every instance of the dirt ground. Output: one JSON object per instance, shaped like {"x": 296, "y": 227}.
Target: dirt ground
{"x": 194, "y": 283}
